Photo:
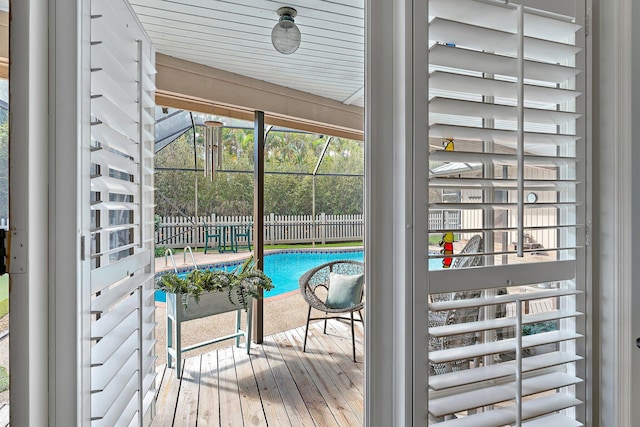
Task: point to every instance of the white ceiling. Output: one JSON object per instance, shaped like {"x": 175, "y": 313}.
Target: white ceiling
{"x": 235, "y": 36}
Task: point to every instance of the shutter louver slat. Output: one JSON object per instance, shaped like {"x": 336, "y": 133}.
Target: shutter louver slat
{"x": 553, "y": 420}
{"x": 123, "y": 408}
{"x": 495, "y": 15}
{"x": 104, "y": 348}
{"x": 492, "y": 395}
{"x": 109, "y": 138}
{"x": 112, "y": 116}
{"x": 499, "y": 370}
{"x": 109, "y": 274}
{"x": 500, "y": 417}
{"x": 452, "y": 82}
{"x": 500, "y": 299}
{"x": 504, "y": 322}
{"x": 478, "y": 37}
{"x": 115, "y": 161}
{"x": 460, "y": 58}
{"x": 497, "y": 135}
{"x": 498, "y": 112}
{"x": 110, "y": 296}
{"x": 103, "y": 374}
{"x": 111, "y": 319}
{"x": 503, "y": 346}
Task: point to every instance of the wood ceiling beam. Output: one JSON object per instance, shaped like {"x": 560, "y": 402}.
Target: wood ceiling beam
{"x": 190, "y": 86}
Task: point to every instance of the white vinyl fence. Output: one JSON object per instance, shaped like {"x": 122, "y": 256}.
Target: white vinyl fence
{"x": 178, "y": 232}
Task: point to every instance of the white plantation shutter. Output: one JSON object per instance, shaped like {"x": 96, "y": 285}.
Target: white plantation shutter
{"x": 122, "y": 271}
{"x": 506, "y": 337}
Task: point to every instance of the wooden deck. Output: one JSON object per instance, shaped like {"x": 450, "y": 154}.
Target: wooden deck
{"x": 277, "y": 385}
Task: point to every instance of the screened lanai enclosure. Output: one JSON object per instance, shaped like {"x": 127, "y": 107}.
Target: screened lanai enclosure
{"x": 314, "y": 182}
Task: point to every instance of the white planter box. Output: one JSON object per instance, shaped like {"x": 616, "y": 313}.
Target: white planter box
{"x": 209, "y": 304}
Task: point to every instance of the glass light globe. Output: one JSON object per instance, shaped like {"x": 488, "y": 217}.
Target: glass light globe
{"x": 285, "y": 36}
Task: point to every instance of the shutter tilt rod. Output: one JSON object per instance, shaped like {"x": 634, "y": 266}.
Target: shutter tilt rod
{"x": 520, "y": 148}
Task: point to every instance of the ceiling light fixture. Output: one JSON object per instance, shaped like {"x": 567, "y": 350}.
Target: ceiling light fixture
{"x": 285, "y": 36}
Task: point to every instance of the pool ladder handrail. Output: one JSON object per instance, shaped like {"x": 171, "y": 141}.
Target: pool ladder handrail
{"x": 184, "y": 260}
{"x": 173, "y": 260}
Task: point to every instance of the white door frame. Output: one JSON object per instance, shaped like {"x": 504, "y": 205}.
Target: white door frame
{"x": 616, "y": 232}
{"x": 46, "y": 88}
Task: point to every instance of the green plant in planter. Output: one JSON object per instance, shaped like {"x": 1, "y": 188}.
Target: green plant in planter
{"x": 537, "y": 328}
{"x": 243, "y": 282}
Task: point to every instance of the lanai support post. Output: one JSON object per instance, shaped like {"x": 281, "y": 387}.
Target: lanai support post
{"x": 258, "y": 215}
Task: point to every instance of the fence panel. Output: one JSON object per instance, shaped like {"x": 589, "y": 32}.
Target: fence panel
{"x": 179, "y": 232}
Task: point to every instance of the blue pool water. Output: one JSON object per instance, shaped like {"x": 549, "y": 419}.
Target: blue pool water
{"x": 285, "y": 268}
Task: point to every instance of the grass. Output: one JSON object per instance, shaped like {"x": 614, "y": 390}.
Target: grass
{"x": 4, "y": 295}
{"x": 4, "y": 379}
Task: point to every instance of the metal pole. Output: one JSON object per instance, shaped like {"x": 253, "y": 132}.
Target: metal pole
{"x": 313, "y": 210}
{"x": 258, "y": 214}
{"x": 195, "y": 165}
{"x": 520, "y": 118}
{"x": 315, "y": 172}
{"x": 518, "y": 362}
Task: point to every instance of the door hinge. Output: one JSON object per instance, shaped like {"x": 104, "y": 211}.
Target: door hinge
{"x": 587, "y": 236}
{"x": 17, "y": 254}
{"x": 82, "y": 249}
{"x": 587, "y": 24}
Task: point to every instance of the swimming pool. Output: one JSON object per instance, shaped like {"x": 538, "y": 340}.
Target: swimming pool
{"x": 285, "y": 267}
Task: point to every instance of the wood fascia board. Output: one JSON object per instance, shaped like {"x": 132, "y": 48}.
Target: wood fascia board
{"x": 182, "y": 83}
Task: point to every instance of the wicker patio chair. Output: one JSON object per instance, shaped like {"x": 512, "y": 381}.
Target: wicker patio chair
{"x": 318, "y": 277}
{"x": 450, "y": 317}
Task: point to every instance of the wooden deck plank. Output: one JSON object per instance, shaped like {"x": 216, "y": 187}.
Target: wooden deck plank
{"x": 341, "y": 335}
{"x": 4, "y": 415}
{"x": 347, "y": 391}
{"x": 310, "y": 393}
{"x": 294, "y": 403}
{"x": 209, "y": 401}
{"x": 321, "y": 342}
{"x": 252, "y": 411}
{"x": 316, "y": 373}
{"x": 187, "y": 406}
{"x": 230, "y": 405}
{"x": 167, "y": 399}
{"x": 274, "y": 406}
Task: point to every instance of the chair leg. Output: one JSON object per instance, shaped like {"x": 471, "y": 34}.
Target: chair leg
{"x": 353, "y": 337}
{"x": 325, "y": 323}
{"x": 306, "y": 331}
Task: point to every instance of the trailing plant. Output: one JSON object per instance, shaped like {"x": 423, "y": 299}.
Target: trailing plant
{"x": 243, "y": 282}
{"x": 537, "y": 328}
